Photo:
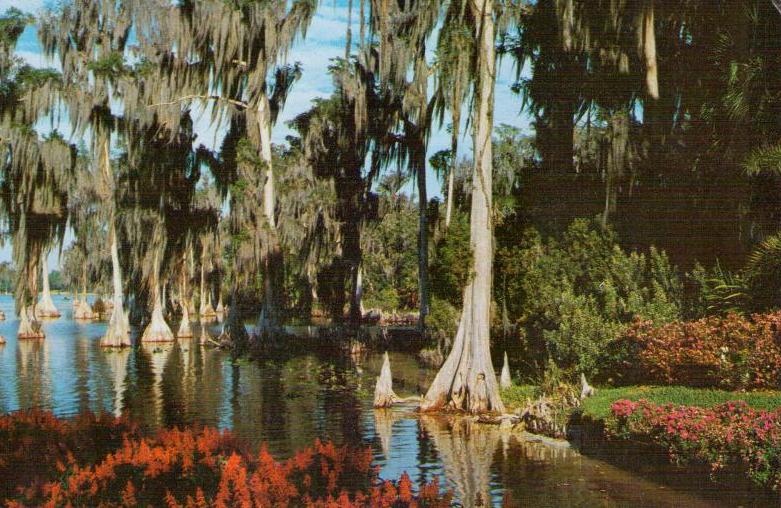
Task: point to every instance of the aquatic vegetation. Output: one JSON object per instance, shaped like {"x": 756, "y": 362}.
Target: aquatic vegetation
{"x": 728, "y": 435}
{"x": 100, "y": 460}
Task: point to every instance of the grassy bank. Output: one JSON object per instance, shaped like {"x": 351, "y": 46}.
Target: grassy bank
{"x": 598, "y": 406}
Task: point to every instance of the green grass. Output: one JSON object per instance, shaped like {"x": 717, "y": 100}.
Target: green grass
{"x": 598, "y": 406}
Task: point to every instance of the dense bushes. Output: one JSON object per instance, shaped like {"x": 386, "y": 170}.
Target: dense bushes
{"x": 569, "y": 297}
{"x": 729, "y": 352}
{"x": 731, "y": 434}
{"x": 100, "y": 461}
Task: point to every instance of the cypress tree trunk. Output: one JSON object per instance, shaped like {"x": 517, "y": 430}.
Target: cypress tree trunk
{"x": 29, "y": 328}
{"x": 449, "y": 197}
{"x": 157, "y": 330}
{"x": 117, "y": 334}
{"x": 467, "y": 380}
{"x": 46, "y": 307}
{"x": 269, "y": 319}
{"x": 649, "y": 51}
{"x": 420, "y": 157}
{"x": 185, "y": 331}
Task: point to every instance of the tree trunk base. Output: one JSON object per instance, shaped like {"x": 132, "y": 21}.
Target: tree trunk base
{"x": 118, "y": 333}
{"x": 29, "y": 328}
{"x": 46, "y": 309}
{"x": 185, "y": 331}
{"x": 207, "y": 312}
{"x": 157, "y": 330}
{"x": 83, "y": 312}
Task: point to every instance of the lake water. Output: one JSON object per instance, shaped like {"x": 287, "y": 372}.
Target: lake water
{"x": 288, "y": 402}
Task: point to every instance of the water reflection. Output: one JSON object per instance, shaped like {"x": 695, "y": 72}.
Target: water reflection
{"x": 288, "y": 402}
{"x": 466, "y": 449}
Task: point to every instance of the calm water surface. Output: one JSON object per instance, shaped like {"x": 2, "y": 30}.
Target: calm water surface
{"x": 288, "y": 402}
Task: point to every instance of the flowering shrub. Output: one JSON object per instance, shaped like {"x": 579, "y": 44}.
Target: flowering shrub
{"x": 730, "y": 352}
{"x": 185, "y": 468}
{"x": 731, "y": 434}
{"x": 36, "y": 446}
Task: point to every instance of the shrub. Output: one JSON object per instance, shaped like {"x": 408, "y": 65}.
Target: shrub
{"x": 191, "y": 467}
{"x": 451, "y": 262}
{"x": 442, "y": 323}
{"x": 35, "y": 446}
{"x": 731, "y": 352}
{"x": 730, "y": 434}
{"x": 571, "y": 296}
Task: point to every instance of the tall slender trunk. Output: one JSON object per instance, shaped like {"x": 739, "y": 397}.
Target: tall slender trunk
{"x": 234, "y": 334}
{"x": 420, "y": 157}
{"x": 185, "y": 331}
{"x": 117, "y": 334}
{"x": 467, "y": 379}
{"x": 157, "y": 330}
{"x": 449, "y": 197}
{"x": 349, "y": 36}
{"x": 649, "y": 51}
{"x": 269, "y": 320}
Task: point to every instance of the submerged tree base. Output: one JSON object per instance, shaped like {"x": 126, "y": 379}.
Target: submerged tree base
{"x": 29, "y": 328}
{"x": 82, "y": 311}
{"x": 118, "y": 333}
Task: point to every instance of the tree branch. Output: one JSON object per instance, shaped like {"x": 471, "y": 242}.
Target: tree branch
{"x": 238, "y": 104}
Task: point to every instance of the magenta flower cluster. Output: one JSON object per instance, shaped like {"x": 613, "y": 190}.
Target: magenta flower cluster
{"x": 728, "y": 435}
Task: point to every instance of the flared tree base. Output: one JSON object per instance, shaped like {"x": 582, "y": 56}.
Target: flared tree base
{"x": 83, "y": 312}
{"x": 31, "y": 332}
{"x": 118, "y": 333}
{"x": 157, "y": 332}
{"x": 185, "y": 330}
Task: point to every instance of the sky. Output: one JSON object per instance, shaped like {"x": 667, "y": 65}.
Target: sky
{"x": 325, "y": 40}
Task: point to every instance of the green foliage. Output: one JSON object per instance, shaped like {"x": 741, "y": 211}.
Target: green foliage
{"x": 390, "y": 258}
{"x": 762, "y": 274}
{"x": 754, "y": 288}
{"x": 109, "y": 66}
{"x": 451, "y": 262}
{"x": 716, "y": 291}
{"x": 442, "y": 323}
{"x": 571, "y": 296}
{"x": 516, "y": 396}
{"x": 12, "y": 23}
{"x": 7, "y": 277}
{"x": 764, "y": 160}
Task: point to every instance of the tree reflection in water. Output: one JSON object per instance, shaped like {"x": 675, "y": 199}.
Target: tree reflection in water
{"x": 466, "y": 449}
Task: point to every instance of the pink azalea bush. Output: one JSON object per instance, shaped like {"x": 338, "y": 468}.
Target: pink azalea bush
{"x": 730, "y": 434}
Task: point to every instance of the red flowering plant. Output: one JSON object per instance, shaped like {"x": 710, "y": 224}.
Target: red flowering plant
{"x": 730, "y": 434}
{"x": 36, "y": 446}
{"x": 191, "y": 468}
{"x": 732, "y": 352}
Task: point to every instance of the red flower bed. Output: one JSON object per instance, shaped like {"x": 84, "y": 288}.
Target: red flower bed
{"x": 731, "y": 352}
{"x": 729, "y": 434}
{"x": 46, "y": 461}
